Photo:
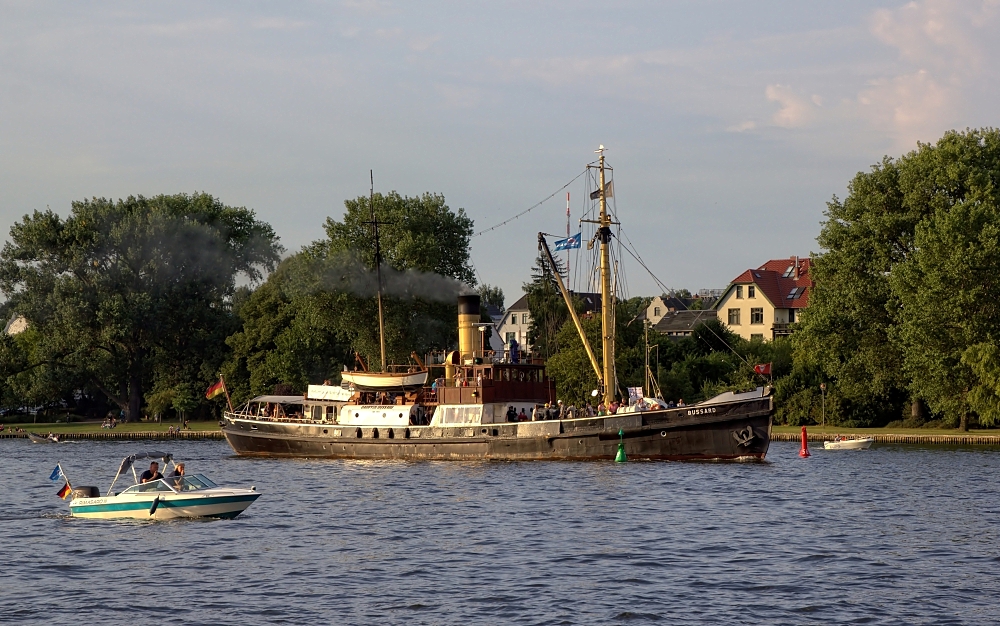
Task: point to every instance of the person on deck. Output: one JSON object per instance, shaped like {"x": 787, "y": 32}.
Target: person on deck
{"x": 681, "y": 402}
{"x": 511, "y": 414}
{"x": 601, "y": 411}
{"x": 562, "y": 410}
{"x": 153, "y": 473}
{"x": 613, "y": 408}
{"x": 522, "y": 416}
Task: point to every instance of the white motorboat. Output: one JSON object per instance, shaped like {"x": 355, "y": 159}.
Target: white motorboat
{"x": 170, "y": 497}
{"x": 859, "y": 443}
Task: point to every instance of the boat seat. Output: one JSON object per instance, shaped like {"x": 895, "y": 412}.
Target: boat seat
{"x": 86, "y": 492}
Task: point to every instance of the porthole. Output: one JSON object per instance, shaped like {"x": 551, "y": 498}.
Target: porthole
{"x": 325, "y": 431}
{"x": 663, "y": 433}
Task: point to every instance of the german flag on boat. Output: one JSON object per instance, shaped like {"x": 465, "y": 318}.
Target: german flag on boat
{"x": 216, "y": 389}
{"x": 67, "y": 489}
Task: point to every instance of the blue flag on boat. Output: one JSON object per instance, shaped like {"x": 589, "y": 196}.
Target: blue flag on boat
{"x": 569, "y": 243}
{"x": 56, "y": 473}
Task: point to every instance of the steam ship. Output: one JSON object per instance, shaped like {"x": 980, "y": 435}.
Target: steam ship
{"x": 466, "y": 413}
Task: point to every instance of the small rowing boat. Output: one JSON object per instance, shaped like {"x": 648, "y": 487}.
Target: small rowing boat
{"x": 36, "y": 438}
{"x": 169, "y": 497}
{"x": 860, "y": 443}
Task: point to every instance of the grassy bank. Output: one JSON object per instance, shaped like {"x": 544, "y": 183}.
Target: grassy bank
{"x": 95, "y": 427}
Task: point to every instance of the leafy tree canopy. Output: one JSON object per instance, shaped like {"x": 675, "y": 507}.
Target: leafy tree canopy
{"x": 122, "y": 293}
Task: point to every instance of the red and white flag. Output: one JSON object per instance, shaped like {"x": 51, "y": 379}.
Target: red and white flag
{"x": 764, "y": 369}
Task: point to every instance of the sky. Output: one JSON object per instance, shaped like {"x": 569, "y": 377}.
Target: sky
{"x": 729, "y": 124}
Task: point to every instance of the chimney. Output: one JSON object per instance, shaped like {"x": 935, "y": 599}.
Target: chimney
{"x": 795, "y": 264}
{"x": 470, "y": 341}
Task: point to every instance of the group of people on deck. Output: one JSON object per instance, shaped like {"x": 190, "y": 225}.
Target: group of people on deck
{"x": 560, "y": 411}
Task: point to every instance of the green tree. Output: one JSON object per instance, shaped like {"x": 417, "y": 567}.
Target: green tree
{"x": 947, "y": 288}
{"x": 120, "y": 286}
{"x": 490, "y": 294}
{"x": 306, "y": 322}
{"x": 547, "y": 307}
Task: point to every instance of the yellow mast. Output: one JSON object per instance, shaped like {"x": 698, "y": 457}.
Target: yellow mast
{"x": 378, "y": 269}
{"x": 607, "y": 297}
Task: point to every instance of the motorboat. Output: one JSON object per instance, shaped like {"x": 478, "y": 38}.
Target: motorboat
{"x": 170, "y": 497}
{"x": 36, "y": 438}
{"x": 858, "y": 443}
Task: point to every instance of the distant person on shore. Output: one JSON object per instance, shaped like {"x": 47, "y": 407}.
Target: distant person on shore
{"x": 153, "y": 473}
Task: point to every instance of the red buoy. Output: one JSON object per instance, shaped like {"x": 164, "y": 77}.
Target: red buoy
{"x": 804, "y": 452}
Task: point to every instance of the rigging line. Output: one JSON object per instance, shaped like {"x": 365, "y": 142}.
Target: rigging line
{"x": 531, "y": 208}
{"x": 630, "y": 248}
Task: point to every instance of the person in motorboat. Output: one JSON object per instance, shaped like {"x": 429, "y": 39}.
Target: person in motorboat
{"x": 178, "y": 470}
{"x": 153, "y": 473}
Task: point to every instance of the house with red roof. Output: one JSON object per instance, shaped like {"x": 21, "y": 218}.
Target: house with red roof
{"x": 762, "y": 303}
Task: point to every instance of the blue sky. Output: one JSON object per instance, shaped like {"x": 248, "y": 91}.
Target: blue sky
{"x": 729, "y": 124}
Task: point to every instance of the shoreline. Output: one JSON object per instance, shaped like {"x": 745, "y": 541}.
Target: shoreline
{"x": 127, "y": 436}
{"x": 934, "y": 439}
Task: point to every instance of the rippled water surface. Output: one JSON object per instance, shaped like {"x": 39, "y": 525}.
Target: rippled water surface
{"x": 894, "y": 535}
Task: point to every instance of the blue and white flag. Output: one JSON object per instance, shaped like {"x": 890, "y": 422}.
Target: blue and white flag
{"x": 57, "y": 474}
{"x": 568, "y": 243}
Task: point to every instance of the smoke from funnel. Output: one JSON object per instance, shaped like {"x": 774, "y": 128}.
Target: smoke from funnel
{"x": 349, "y": 273}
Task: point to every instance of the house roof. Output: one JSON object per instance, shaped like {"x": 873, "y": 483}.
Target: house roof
{"x": 776, "y": 280}
{"x": 684, "y": 321}
{"x": 591, "y": 302}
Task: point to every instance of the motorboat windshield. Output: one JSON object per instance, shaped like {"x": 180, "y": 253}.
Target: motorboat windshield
{"x": 173, "y": 484}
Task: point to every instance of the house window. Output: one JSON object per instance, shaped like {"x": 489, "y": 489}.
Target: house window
{"x": 756, "y": 337}
{"x": 793, "y": 293}
{"x": 734, "y": 317}
{"x": 510, "y": 338}
{"x": 656, "y": 311}
{"x": 513, "y": 318}
{"x": 791, "y": 316}
{"x": 757, "y": 316}
{"x": 739, "y": 291}
{"x": 751, "y": 292}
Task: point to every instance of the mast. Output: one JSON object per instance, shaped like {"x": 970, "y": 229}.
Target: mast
{"x": 607, "y": 297}
{"x": 378, "y": 268}
{"x": 567, "y": 237}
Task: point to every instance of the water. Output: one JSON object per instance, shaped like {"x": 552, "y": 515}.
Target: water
{"x": 894, "y": 535}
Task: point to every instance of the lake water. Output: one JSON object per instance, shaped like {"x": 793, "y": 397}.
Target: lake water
{"x": 894, "y": 535}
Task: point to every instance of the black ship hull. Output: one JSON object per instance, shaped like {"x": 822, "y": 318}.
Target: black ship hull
{"x": 731, "y": 431}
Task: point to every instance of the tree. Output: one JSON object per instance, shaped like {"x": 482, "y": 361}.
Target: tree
{"x": 547, "y": 307}
{"x": 492, "y": 295}
{"x": 845, "y": 330}
{"x": 306, "y": 322}
{"x": 947, "y": 288}
{"x": 119, "y": 286}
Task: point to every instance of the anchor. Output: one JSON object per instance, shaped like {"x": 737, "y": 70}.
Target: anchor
{"x": 744, "y": 437}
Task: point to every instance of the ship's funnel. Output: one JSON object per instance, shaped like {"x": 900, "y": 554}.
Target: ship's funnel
{"x": 470, "y": 339}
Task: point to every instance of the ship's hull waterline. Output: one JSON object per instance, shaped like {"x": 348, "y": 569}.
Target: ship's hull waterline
{"x": 741, "y": 431}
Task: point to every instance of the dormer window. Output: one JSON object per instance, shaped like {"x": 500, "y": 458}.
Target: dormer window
{"x": 656, "y": 311}
{"x": 788, "y": 272}
{"x": 794, "y": 293}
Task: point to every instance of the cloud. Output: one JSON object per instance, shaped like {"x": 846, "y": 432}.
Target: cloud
{"x": 422, "y": 44}
{"x": 795, "y": 111}
{"x": 742, "y": 127}
{"x": 945, "y": 49}
{"x": 278, "y": 23}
